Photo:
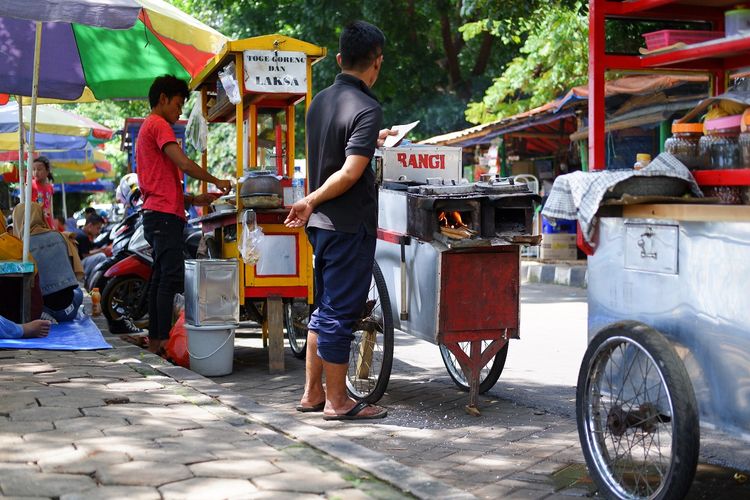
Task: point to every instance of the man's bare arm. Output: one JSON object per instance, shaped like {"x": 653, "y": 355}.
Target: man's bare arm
{"x": 336, "y": 185}
{"x": 188, "y": 166}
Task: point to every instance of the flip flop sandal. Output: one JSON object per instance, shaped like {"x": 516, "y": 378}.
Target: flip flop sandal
{"x": 353, "y": 414}
{"x": 310, "y": 409}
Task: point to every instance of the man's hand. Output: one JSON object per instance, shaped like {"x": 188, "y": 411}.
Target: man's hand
{"x": 299, "y": 214}
{"x": 224, "y": 186}
{"x": 383, "y": 134}
{"x": 202, "y": 200}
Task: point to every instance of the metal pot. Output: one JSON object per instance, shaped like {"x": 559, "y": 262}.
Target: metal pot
{"x": 260, "y": 182}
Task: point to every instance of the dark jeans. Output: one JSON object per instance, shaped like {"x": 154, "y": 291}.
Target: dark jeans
{"x": 343, "y": 272}
{"x": 164, "y": 233}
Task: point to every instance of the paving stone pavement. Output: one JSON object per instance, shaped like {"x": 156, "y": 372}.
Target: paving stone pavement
{"x": 511, "y": 450}
{"x": 123, "y": 423}
{"x": 115, "y": 424}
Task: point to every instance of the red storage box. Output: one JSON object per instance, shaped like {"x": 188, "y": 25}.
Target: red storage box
{"x": 665, "y": 38}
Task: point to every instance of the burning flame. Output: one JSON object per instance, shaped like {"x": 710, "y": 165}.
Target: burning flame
{"x": 452, "y": 220}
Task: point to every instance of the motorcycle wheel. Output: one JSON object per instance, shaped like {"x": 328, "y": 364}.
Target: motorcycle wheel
{"x": 123, "y": 297}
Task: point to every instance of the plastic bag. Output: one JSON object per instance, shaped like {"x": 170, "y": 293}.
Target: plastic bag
{"x": 252, "y": 236}
{"x": 229, "y": 82}
{"x": 196, "y": 131}
{"x": 177, "y": 349}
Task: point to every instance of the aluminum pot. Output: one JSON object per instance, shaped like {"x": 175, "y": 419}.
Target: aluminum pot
{"x": 260, "y": 182}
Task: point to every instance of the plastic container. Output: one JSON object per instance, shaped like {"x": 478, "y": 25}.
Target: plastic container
{"x": 737, "y": 20}
{"x": 560, "y": 226}
{"x": 641, "y": 161}
{"x": 96, "y": 302}
{"x": 744, "y": 140}
{"x": 719, "y": 148}
{"x": 298, "y": 185}
{"x": 211, "y": 349}
{"x": 665, "y": 38}
{"x": 684, "y": 143}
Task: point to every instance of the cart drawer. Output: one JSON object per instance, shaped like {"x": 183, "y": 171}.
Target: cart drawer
{"x": 479, "y": 292}
{"x": 651, "y": 247}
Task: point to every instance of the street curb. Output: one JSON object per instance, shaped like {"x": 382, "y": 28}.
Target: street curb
{"x": 558, "y": 273}
{"x": 402, "y": 477}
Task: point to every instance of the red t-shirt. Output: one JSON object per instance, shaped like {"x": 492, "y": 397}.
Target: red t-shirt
{"x": 158, "y": 177}
{"x": 43, "y": 196}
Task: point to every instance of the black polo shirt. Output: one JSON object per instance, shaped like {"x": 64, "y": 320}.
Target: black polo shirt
{"x": 344, "y": 119}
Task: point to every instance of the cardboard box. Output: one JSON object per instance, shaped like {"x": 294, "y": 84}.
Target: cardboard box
{"x": 522, "y": 167}
{"x": 558, "y": 246}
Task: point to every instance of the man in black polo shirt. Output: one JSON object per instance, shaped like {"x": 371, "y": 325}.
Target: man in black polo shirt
{"x": 343, "y": 130}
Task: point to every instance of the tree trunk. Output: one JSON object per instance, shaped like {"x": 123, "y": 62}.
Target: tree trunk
{"x": 410, "y": 11}
{"x": 451, "y": 53}
{"x": 484, "y": 54}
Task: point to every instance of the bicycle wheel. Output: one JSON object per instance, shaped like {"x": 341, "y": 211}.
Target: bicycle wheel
{"x": 371, "y": 355}
{"x": 296, "y": 317}
{"x": 637, "y": 415}
{"x": 489, "y": 374}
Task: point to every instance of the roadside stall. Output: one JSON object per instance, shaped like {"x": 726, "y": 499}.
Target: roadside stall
{"x": 257, "y": 83}
{"x": 668, "y": 305}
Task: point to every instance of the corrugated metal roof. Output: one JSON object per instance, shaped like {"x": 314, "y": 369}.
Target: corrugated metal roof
{"x": 578, "y": 96}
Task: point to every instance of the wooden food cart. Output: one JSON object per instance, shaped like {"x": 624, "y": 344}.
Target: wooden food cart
{"x": 267, "y": 76}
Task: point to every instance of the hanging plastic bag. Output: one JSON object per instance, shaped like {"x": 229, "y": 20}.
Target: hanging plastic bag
{"x": 229, "y": 82}
{"x": 252, "y": 237}
{"x": 196, "y": 131}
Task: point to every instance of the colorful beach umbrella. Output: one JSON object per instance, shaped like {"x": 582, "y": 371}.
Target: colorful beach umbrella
{"x": 150, "y": 38}
{"x": 56, "y": 129}
{"x": 114, "y": 47}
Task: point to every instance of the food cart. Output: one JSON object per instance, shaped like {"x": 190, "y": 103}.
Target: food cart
{"x": 256, "y": 83}
{"x": 447, "y": 270}
{"x": 669, "y": 340}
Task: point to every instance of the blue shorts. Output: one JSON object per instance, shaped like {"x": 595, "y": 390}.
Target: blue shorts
{"x": 343, "y": 272}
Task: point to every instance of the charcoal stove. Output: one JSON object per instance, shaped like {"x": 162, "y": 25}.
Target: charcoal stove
{"x": 457, "y": 288}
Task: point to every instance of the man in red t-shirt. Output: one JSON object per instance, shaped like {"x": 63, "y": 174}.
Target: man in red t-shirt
{"x": 161, "y": 163}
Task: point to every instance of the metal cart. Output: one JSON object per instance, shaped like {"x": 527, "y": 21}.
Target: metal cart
{"x": 668, "y": 310}
{"x": 447, "y": 271}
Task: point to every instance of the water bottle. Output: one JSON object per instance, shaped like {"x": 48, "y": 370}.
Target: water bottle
{"x": 96, "y": 302}
{"x": 298, "y": 185}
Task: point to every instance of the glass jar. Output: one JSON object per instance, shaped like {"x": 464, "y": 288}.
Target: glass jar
{"x": 720, "y": 148}
{"x": 744, "y": 142}
{"x": 684, "y": 144}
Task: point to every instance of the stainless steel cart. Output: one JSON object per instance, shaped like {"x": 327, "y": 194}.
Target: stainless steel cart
{"x": 669, "y": 330}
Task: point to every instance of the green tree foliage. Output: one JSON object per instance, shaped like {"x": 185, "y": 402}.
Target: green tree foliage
{"x": 553, "y": 58}
{"x": 431, "y": 70}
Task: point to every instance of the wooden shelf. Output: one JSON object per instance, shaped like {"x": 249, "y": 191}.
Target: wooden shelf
{"x": 736, "y": 177}
{"x": 691, "y": 212}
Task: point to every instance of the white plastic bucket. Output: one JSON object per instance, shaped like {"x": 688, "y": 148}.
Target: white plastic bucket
{"x": 211, "y": 349}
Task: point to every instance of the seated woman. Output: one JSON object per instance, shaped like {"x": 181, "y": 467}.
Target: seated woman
{"x": 57, "y": 263}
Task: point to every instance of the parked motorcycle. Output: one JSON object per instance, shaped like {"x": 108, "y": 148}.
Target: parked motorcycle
{"x": 120, "y": 235}
{"x": 127, "y": 285}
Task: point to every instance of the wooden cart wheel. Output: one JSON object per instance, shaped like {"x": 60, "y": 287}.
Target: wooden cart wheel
{"x": 637, "y": 414}
{"x": 371, "y": 355}
{"x": 489, "y": 374}
{"x": 296, "y": 316}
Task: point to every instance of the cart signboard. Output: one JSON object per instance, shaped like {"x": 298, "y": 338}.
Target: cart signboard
{"x": 271, "y": 71}
{"x": 421, "y": 163}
